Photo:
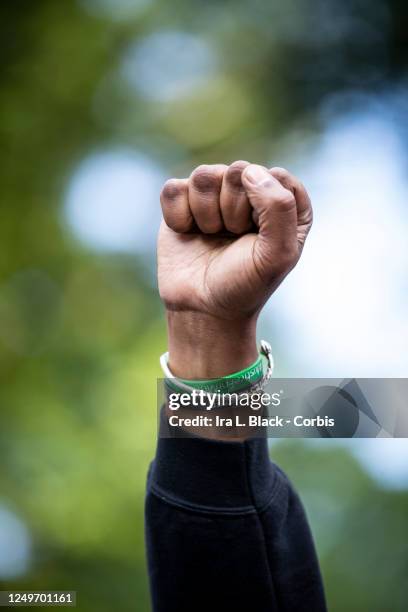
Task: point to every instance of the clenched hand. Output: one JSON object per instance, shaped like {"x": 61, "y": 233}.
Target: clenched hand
{"x": 229, "y": 237}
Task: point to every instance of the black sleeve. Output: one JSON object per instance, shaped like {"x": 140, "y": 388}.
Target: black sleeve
{"x": 225, "y": 531}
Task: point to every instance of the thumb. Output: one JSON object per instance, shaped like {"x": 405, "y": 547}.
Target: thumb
{"x": 275, "y": 207}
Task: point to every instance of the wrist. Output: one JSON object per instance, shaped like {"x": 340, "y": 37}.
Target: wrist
{"x": 203, "y": 346}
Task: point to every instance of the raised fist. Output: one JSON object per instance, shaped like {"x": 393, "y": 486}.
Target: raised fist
{"x": 229, "y": 237}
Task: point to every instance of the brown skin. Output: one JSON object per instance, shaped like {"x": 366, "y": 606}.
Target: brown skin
{"x": 229, "y": 237}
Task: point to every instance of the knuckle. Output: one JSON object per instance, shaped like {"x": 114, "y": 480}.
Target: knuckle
{"x": 171, "y": 190}
{"x": 241, "y": 163}
{"x": 281, "y": 173}
{"x": 234, "y": 174}
{"x": 205, "y": 178}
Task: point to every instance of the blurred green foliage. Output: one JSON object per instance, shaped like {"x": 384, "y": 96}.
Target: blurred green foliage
{"x": 80, "y": 333}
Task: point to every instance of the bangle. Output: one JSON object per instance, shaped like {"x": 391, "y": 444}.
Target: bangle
{"x": 258, "y": 372}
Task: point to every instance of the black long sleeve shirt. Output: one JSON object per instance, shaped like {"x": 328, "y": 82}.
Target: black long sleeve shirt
{"x": 225, "y": 531}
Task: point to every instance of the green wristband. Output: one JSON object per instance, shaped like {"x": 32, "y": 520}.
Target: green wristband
{"x": 227, "y": 384}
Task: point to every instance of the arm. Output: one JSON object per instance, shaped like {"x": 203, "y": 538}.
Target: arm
{"x": 224, "y": 528}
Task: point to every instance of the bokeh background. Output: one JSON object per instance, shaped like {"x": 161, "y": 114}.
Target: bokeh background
{"x": 100, "y": 101}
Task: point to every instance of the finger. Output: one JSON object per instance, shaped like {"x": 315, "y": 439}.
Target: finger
{"x": 275, "y": 205}
{"x": 236, "y": 210}
{"x": 204, "y": 197}
{"x": 303, "y": 203}
{"x": 175, "y": 206}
